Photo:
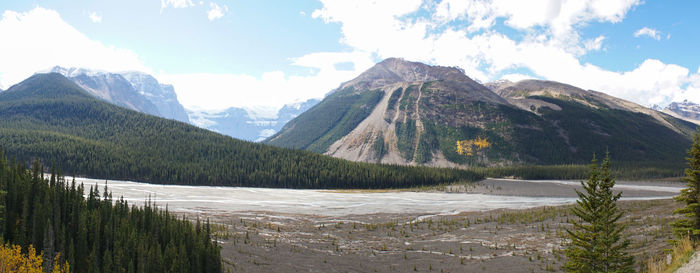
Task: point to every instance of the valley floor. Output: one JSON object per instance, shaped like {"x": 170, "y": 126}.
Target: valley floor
{"x": 459, "y": 228}
{"x": 493, "y": 241}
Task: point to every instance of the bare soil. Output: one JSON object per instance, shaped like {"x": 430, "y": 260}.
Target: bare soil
{"x": 527, "y": 240}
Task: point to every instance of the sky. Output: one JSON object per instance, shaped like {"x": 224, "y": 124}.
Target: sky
{"x": 264, "y": 54}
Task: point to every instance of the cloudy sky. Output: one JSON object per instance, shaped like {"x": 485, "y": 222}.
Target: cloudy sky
{"x": 220, "y": 54}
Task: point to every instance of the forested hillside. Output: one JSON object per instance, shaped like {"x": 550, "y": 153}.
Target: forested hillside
{"x": 50, "y": 118}
{"x": 325, "y": 123}
{"x": 96, "y": 233}
{"x": 438, "y": 116}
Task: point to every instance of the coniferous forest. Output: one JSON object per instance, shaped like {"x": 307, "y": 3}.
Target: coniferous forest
{"x": 97, "y": 233}
{"x": 51, "y": 118}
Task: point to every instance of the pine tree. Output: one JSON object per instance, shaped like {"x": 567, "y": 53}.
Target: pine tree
{"x": 689, "y": 225}
{"x": 596, "y": 239}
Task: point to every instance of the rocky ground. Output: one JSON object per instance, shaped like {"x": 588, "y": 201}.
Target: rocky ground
{"x": 493, "y": 241}
{"x": 693, "y": 266}
{"x": 457, "y": 228}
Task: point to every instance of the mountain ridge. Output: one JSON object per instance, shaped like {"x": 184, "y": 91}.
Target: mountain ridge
{"x": 685, "y": 110}
{"x": 245, "y": 123}
{"x": 51, "y": 118}
{"x": 414, "y": 122}
{"x": 134, "y": 90}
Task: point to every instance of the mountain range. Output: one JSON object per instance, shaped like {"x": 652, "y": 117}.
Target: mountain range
{"x": 50, "y": 118}
{"x": 249, "y": 124}
{"x": 142, "y": 92}
{"x": 133, "y": 90}
{"x": 685, "y": 110}
{"x": 403, "y": 112}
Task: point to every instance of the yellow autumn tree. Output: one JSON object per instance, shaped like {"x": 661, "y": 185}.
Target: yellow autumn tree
{"x": 482, "y": 143}
{"x": 468, "y": 147}
{"x": 12, "y": 260}
{"x": 464, "y": 147}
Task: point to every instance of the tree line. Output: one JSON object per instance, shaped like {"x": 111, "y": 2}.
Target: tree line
{"x": 54, "y": 120}
{"x": 97, "y": 233}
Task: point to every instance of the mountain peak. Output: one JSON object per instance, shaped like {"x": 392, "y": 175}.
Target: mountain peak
{"x": 393, "y": 70}
{"x": 685, "y": 110}
{"x": 72, "y": 71}
{"x": 131, "y": 89}
{"x": 44, "y": 86}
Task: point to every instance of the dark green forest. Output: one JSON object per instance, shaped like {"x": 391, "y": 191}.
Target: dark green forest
{"x": 625, "y": 171}
{"x": 327, "y": 122}
{"x": 561, "y": 131}
{"x": 50, "y": 118}
{"x": 97, "y": 233}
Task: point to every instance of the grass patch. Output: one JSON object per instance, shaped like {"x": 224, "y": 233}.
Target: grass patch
{"x": 681, "y": 253}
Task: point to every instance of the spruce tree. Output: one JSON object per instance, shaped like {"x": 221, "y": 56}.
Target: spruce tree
{"x": 689, "y": 225}
{"x": 596, "y": 239}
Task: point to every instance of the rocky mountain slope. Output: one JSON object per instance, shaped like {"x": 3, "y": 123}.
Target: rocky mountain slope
{"x": 133, "y": 90}
{"x": 161, "y": 95}
{"x": 247, "y": 124}
{"x": 50, "y": 118}
{"x": 685, "y": 110}
{"x": 410, "y": 113}
{"x": 142, "y": 92}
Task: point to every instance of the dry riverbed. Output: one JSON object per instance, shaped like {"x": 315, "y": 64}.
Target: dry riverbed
{"x": 493, "y": 241}
{"x": 496, "y": 225}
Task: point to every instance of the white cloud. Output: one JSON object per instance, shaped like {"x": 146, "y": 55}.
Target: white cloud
{"x": 176, "y": 3}
{"x": 560, "y": 18}
{"x": 652, "y": 33}
{"x": 39, "y": 39}
{"x": 220, "y": 91}
{"x": 94, "y": 17}
{"x": 215, "y": 11}
{"x": 516, "y": 77}
{"x": 594, "y": 44}
{"x": 551, "y": 46}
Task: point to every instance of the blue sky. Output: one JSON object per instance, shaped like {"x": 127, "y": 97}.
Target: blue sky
{"x": 263, "y": 54}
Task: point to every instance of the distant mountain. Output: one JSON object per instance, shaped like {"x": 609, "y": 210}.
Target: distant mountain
{"x": 161, "y": 95}
{"x": 133, "y": 90}
{"x": 684, "y": 110}
{"x": 405, "y": 112}
{"x": 110, "y": 87}
{"x": 246, "y": 124}
{"x": 50, "y": 118}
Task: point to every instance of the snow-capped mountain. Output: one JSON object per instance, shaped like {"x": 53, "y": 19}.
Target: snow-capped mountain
{"x": 162, "y": 95}
{"x": 142, "y": 92}
{"x": 133, "y": 90}
{"x": 249, "y": 123}
{"x": 685, "y": 110}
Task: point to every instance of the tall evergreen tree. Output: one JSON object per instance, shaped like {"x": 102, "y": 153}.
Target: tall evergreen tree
{"x": 94, "y": 233}
{"x": 689, "y": 225}
{"x": 596, "y": 239}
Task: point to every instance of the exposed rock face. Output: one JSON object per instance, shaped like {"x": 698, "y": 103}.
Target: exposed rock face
{"x": 161, "y": 95}
{"x": 685, "y": 110}
{"x": 518, "y": 93}
{"x": 405, "y": 112}
{"x": 133, "y": 90}
{"x": 394, "y": 70}
{"x": 111, "y": 87}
